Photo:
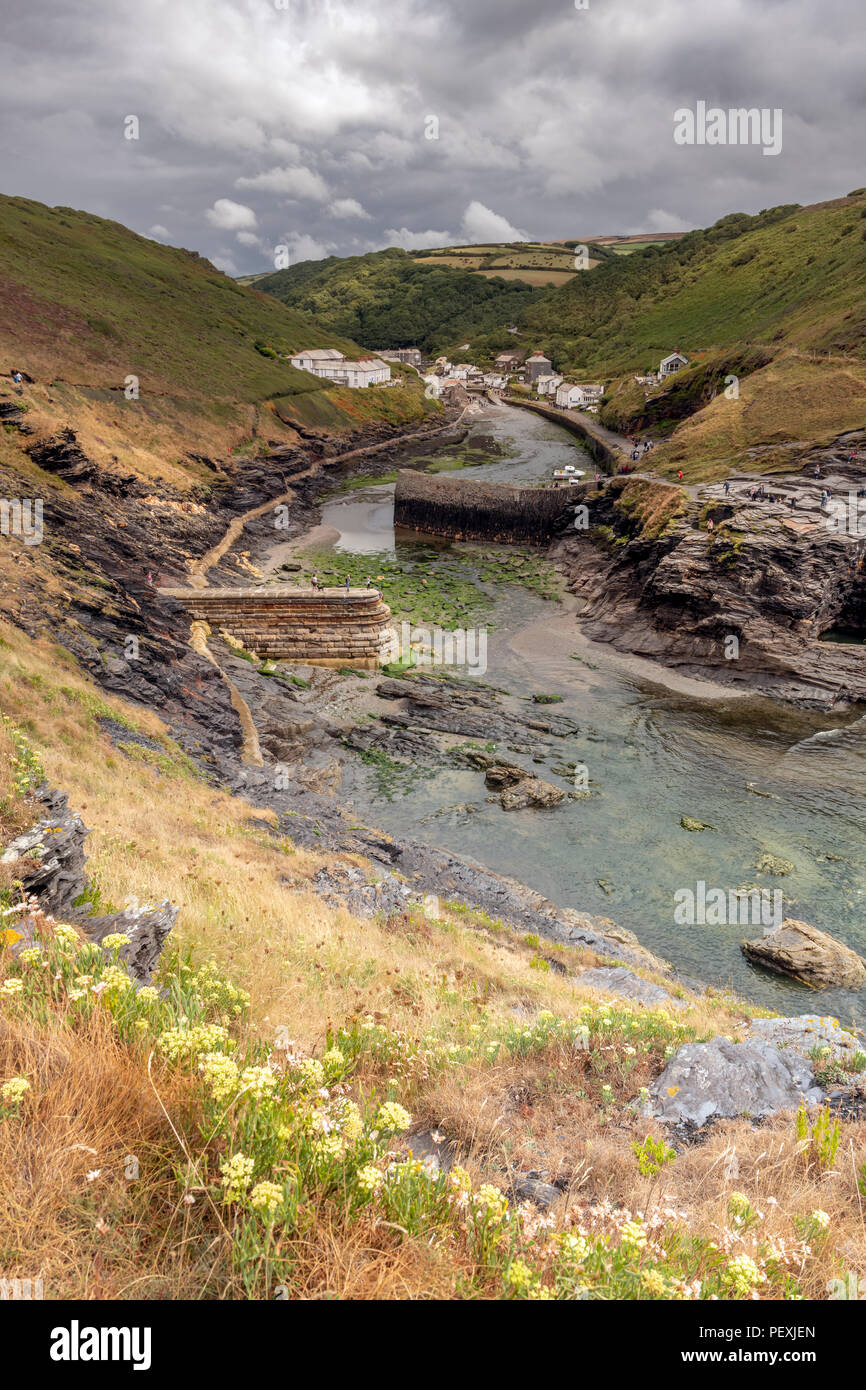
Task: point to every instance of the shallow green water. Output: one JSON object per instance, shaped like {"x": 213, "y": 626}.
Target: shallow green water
{"x": 652, "y": 756}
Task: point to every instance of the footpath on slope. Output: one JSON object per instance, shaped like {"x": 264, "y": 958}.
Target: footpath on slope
{"x": 199, "y": 632}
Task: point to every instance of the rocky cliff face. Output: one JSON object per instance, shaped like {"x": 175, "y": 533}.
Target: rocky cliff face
{"x": 747, "y": 602}
{"x": 52, "y": 859}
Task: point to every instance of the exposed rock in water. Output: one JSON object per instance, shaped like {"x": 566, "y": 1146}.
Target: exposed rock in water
{"x": 531, "y": 791}
{"x": 696, "y": 826}
{"x": 618, "y": 980}
{"x": 773, "y": 864}
{"x": 809, "y": 955}
{"x": 723, "y": 1079}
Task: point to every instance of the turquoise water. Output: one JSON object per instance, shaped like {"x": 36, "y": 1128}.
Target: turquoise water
{"x": 652, "y": 755}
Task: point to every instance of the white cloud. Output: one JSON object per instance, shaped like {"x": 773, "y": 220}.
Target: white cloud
{"x": 292, "y": 181}
{"x": 414, "y": 241}
{"x": 348, "y": 207}
{"x": 159, "y": 233}
{"x": 303, "y": 247}
{"x": 225, "y": 264}
{"x": 392, "y": 150}
{"x": 660, "y": 221}
{"x": 481, "y": 224}
{"x": 231, "y": 217}
{"x": 250, "y": 239}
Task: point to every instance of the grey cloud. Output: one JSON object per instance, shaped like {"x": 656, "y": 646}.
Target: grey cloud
{"x": 555, "y": 120}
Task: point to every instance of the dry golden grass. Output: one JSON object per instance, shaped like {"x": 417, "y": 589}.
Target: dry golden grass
{"x": 245, "y": 899}
{"x": 67, "y": 1213}
{"x": 792, "y": 404}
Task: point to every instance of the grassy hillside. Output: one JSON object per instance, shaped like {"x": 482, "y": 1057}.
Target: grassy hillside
{"x": 388, "y": 299}
{"x": 790, "y": 276}
{"x": 86, "y": 303}
{"x": 263, "y": 1165}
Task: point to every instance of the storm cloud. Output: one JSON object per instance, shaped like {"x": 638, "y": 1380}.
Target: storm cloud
{"x": 236, "y": 126}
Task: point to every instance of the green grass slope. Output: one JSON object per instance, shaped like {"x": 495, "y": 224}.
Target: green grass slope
{"x": 789, "y": 277}
{"x": 85, "y": 304}
{"x": 387, "y": 299}
{"x": 88, "y": 300}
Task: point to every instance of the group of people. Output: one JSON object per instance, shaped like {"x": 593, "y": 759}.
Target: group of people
{"x": 314, "y": 582}
{"x": 639, "y": 449}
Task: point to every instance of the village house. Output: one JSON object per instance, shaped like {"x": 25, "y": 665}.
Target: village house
{"x": 309, "y": 360}
{"x": 547, "y": 385}
{"x": 509, "y": 362}
{"x": 537, "y": 365}
{"x": 333, "y": 366}
{"x": 671, "y": 364}
{"x": 573, "y": 396}
{"x": 411, "y": 356}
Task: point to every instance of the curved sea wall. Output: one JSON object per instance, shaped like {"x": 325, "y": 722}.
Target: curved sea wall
{"x": 466, "y": 509}
{"x": 320, "y": 627}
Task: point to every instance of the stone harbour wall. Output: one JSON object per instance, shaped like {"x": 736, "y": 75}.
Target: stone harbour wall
{"x": 466, "y": 509}
{"x": 319, "y": 627}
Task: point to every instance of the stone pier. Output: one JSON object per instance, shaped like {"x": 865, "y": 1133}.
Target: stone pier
{"x": 319, "y": 627}
{"x": 472, "y": 510}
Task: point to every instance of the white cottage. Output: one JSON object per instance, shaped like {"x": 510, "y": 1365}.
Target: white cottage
{"x": 572, "y": 396}
{"x": 547, "y": 385}
{"x": 331, "y": 365}
{"x": 671, "y": 364}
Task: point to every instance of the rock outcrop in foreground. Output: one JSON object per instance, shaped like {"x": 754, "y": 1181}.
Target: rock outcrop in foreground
{"x": 721, "y": 1079}
{"x": 52, "y": 861}
{"x": 812, "y": 956}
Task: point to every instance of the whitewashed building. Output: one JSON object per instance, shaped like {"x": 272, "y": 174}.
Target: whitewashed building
{"x": 671, "y": 364}
{"x": 548, "y": 385}
{"x": 333, "y": 366}
{"x": 574, "y": 396}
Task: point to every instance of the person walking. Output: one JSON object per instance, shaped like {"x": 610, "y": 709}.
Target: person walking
{"x": 347, "y": 583}
{"x": 710, "y": 525}
{"x": 149, "y": 580}
{"x": 727, "y": 486}
{"x": 680, "y": 475}
{"x": 315, "y": 582}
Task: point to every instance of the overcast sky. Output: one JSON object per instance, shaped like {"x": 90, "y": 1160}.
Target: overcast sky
{"x": 306, "y": 123}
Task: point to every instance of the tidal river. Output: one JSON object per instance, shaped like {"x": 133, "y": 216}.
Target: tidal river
{"x": 655, "y": 748}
